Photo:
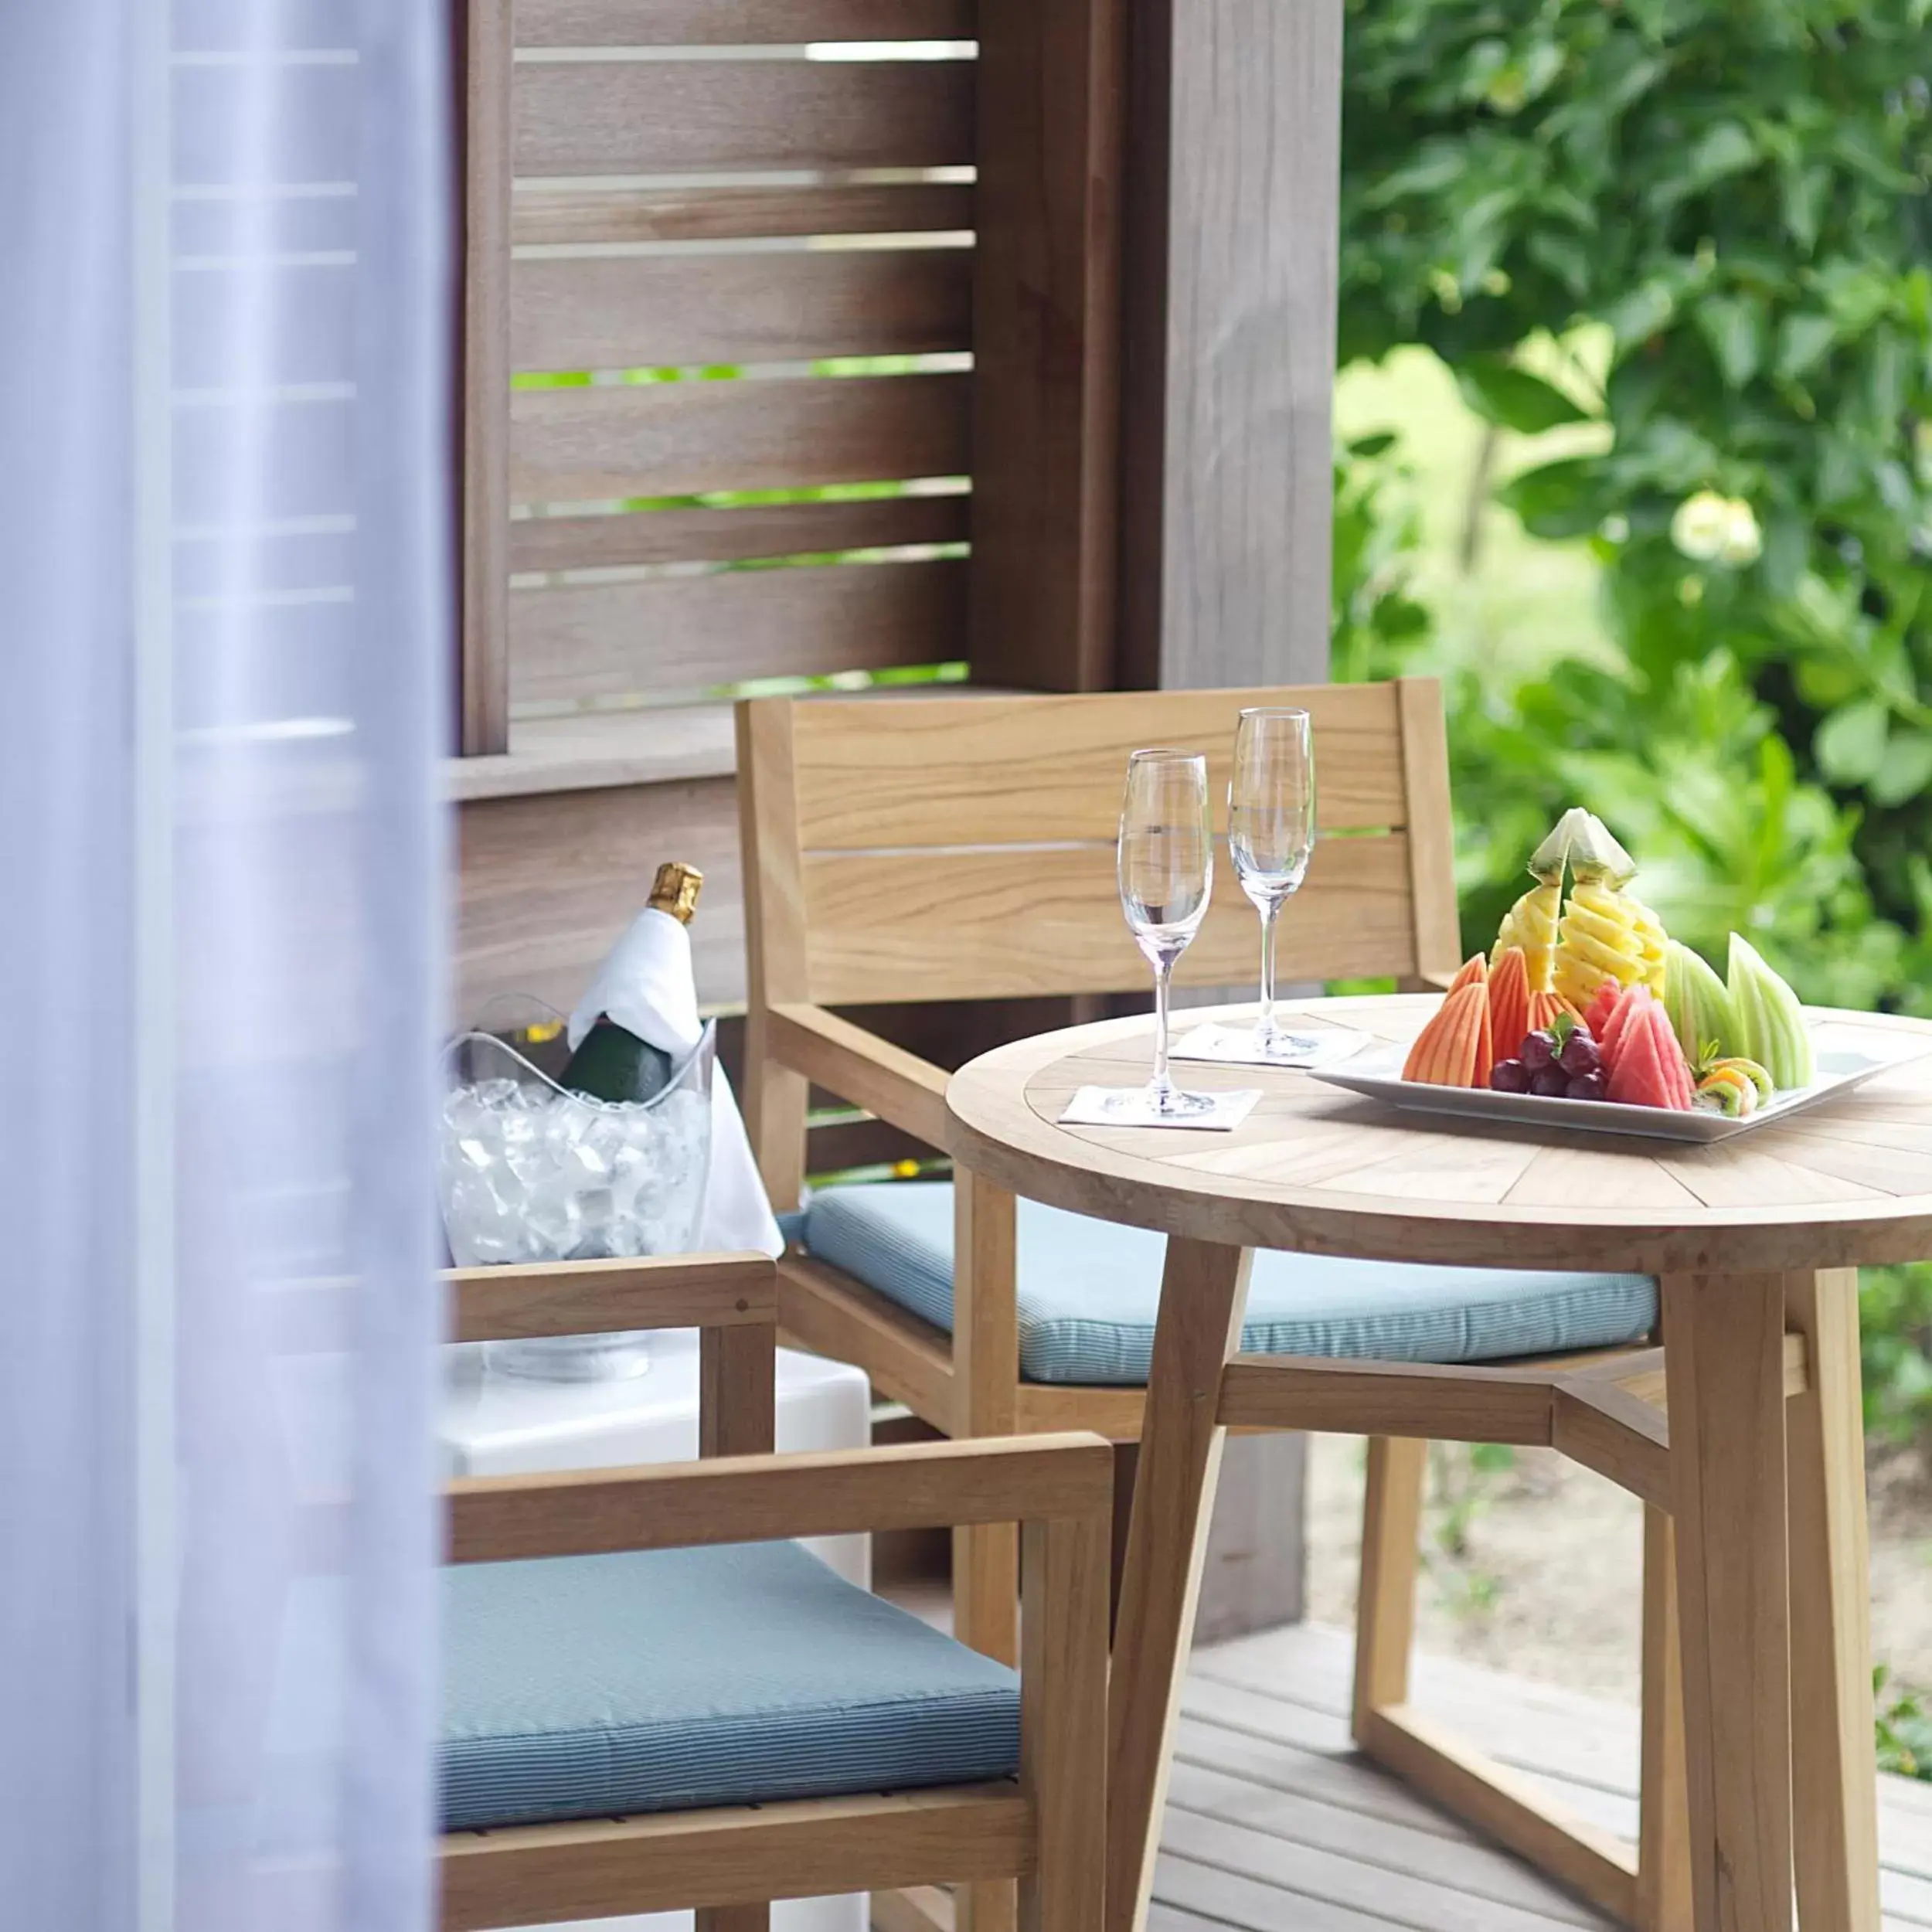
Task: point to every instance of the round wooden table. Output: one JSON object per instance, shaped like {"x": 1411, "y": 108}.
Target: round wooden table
{"x": 1749, "y": 1238}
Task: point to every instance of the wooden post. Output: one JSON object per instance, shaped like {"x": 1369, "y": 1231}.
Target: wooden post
{"x": 484, "y": 687}
{"x": 1045, "y": 342}
{"x": 1234, "y": 169}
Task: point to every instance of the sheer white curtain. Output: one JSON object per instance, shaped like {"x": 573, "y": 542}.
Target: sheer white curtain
{"x": 225, "y": 564}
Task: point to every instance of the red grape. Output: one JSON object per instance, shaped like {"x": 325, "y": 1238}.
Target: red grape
{"x": 1509, "y": 1076}
{"x": 1590, "y": 1086}
{"x": 1538, "y": 1051}
{"x": 1549, "y": 1083}
{"x": 1580, "y": 1054}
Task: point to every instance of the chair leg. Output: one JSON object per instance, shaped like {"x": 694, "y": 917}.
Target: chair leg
{"x": 1385, "y": 1620}
{"x": 776, "y": 1101}
{"x": 986, "y": 1392}
{"x": 1063, "y": 1724}
{"x": 986, "y": 1590}
{"x": 986, "y": 1397}
{"x": 1833, "y": 1786}
{"x": 733, "y": 1918}
{"x": 1663, "y": 1831}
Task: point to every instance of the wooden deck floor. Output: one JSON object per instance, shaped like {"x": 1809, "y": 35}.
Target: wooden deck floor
{"x": 1274, "y": 1824}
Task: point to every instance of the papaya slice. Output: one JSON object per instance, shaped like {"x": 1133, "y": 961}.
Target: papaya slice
{"x": 1509, "y": 1000}
{"x": 1456, "y": 1042}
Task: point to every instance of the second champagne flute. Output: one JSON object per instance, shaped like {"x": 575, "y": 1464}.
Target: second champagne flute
{"x": 1166, "y": 864}
{"x": 1271, "y": 838}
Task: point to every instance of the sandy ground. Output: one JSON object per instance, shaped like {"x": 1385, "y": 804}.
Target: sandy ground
{"x": 1534, "y": 1567}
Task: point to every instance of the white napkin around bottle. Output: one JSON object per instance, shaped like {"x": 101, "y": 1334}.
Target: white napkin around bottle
{"x": 647, "y": 986}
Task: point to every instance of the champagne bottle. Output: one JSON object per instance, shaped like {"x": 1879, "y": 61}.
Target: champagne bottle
{"x": 611, "y": 1063}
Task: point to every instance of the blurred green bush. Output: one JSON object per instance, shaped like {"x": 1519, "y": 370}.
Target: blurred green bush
{"x": 1734, "y": 199}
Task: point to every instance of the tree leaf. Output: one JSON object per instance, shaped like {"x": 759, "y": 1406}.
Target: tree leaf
{"x": 1904, "y": 771}
{"x": 1725, "y": 149}
{"x": 1803, "y": 340}
{"x": 1512, "y": 398}
{"x": 1734, "y": 327}
{"x": 1561, "y": 499}
{"x": 1850, "y": 745}
{"x": 1641, "y": 313}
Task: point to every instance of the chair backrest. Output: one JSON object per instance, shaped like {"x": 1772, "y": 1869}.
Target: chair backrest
{"x": 962, "y": 848}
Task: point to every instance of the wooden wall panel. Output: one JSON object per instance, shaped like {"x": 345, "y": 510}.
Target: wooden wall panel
{"x": 661, "y": 117}
{"x": 548, "y": 882}
{"x": 674, "y": 439}
{"x": 579, "y": 641}
{"x": 697, "y": 23}
{"x": 632, "y": 312}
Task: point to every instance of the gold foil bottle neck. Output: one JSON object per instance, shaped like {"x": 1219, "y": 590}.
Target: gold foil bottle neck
{"x": 675, "y": 890}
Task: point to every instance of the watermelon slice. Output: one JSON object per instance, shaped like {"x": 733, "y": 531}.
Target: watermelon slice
{"x": 1597, "y": 1017}
{"x": 1631, "y": 1001}
{"x": 1672, "y": 1055}
{"x": 1650, "y": 1070}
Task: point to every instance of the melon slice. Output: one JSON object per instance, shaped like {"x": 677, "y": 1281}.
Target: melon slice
{"x": 1474, "y": 972}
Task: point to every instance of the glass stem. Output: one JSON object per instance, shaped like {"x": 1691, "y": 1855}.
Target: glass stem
{"x": 1270, "y": 913}
{"x": 1161, "y": 1086}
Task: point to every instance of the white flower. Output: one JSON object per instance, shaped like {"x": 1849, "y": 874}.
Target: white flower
{"x": 1743, "y": 539}
{"x": 1698, "y": 528}
{"x": 1710, "y": 529}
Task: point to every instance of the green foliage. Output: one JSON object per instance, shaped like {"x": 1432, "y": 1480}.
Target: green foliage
{"x": 1904, "y": 1730}
{"x": 1895, "y": 1312}
{"x": 1719, "y": 218}
{"x": 1734, "y": 199}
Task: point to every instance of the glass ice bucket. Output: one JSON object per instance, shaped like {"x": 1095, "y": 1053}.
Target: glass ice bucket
{"x": 529, "y": 1171}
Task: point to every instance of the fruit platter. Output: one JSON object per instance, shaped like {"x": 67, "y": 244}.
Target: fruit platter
{"x": 1587, "y": 1014}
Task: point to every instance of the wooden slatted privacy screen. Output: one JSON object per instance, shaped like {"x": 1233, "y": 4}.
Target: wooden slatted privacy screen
{"x": 874, "y": 243}
{"x": 606, "y": 118}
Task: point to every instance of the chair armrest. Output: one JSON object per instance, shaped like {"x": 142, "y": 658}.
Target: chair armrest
{"x": 924, "y": 1485}
{"x": 521, "y": 1302}
{"x": 858, "y": 1066}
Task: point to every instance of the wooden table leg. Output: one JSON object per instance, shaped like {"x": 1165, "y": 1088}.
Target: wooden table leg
{"x": 1834, "y": 1779}
{"x": 1724, "y": 1368}
{"x": 1204, "y": 1292}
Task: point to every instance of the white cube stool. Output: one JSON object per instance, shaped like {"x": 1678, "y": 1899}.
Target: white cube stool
{"x": 496, "y": 1425}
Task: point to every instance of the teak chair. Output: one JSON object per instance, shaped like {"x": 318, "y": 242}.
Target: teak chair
{"x": 959, "y": 848}
{"x": 623, "y": 1732}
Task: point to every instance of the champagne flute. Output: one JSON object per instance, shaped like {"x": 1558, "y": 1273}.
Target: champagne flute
{"x": 1166, "y": 868}
{"x": 1270, "y": 836}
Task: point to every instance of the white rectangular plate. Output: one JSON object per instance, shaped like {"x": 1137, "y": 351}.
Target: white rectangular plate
{"x": 1847, "y": 1057}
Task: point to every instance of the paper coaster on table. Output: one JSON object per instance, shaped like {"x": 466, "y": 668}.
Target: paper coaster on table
{"x": 1127, "y": 1106}
{"x": 1236, "y": 1044}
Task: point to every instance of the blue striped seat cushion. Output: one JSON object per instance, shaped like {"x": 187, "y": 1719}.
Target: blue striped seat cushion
{"x": 1088, "y": 1291}
{"x": 593, "y": 1686}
